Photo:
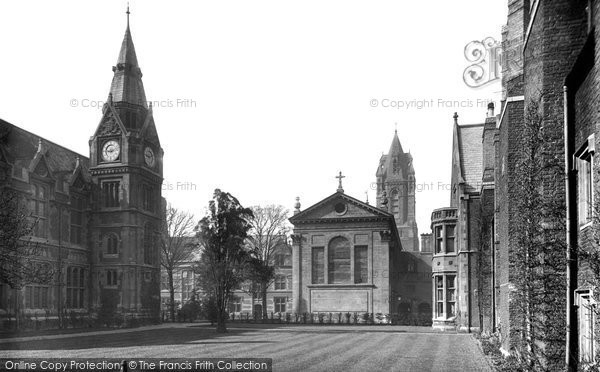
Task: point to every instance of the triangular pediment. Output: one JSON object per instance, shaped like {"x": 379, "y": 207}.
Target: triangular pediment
{"x": 110, "y": 124}
{"x": 340, "y": 206}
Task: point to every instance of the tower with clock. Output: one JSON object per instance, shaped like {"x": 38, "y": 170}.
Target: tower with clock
{"x": 127, "y": 208}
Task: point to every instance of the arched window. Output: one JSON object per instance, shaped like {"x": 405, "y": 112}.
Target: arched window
{"x": 112, "y": 244}
{"x": 395, "y": 203}
{"x": 149, "y": 243}
{"x": 339, "y": 260}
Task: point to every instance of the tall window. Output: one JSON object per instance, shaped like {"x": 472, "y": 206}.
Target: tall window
{"x": 339, "y": 261}
{"x": 76, "y": 219}
{"x": 395, "y": 203}
{"x": 110, "y": 193}
{"x": 586, "y": 322}
{"x": 148, "y": 245}
{"x": 111, "y": 278}
{"x": 361, "y": 269}
{"x": 438, "y": 239}
{"x": 280, "y": 282}
{"x": 318, "y": 265}
{"x": 279, "y": 304}
{"x": 584, "y": 189}
{"x": 283, "y": 257}
{"x": 445, "y": 296}
{"x": 39, "y": 209}
{"x": 75, "y": 287}
{"x": 450, "y": 238}
{"x": 36, "y": 297}
{"x": 235, "y": 305}
{"x": 148, "y": 197}
{"x": 112, "y": 244}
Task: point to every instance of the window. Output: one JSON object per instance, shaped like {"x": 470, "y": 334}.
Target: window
{"x": 279, "y": 304}
{"x": 148, "y": 198}
{"x": 339, "y": 261}
{"x": 584, "y": 160}
{"x": 75, "y": 287}
{"x": 318, "y": 265}
{"x": 36, "y": 297}
{"x": 280, "y": 282}
{"x": 110, "y": 194}
{"x": 76, "y": 220}
{"x": 445, "y": 296}
{"x": 111, "y": 278}
{"x": 361, "y": 269}
{"x": 586, "y": 317}
{"x": 395, "y": 203}
{"x": 235, "y": 305}
{"x": 450, "y": 238}
{"x": 410, "y": 266}
{"x": 283, "y": 258}
{"x": 39, "y": 209}
{"x": 148, "y": 245}
{"x": 112, "y": 244}
{"x": 438, "y": 239}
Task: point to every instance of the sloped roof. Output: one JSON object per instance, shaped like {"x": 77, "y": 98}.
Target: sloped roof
{"x": 470, "y": 149}
{"x": 21, "y": 148}
{"x": 127, "y": 83}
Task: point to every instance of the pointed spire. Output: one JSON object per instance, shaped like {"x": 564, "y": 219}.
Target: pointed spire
{"x": 127, "y": 80}
{"x": 396, "y": 147}
{"x": 39, "y": 149}
{"x": 455, "y": 116}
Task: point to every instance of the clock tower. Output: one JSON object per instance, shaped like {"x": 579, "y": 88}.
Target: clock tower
{"x": 127, "y": 211}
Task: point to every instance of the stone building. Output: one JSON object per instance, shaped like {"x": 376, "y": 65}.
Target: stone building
{"x": 98, "y": 217}
{"x": 344, "y": 252}
{"x": 396, "y": 190}
{"x": 459, "y": 255}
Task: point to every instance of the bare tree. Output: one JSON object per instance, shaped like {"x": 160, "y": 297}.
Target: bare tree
{"x": 18, "y": 265}
{"x": 269, "y": 230}
{"x": 177, "y": 246}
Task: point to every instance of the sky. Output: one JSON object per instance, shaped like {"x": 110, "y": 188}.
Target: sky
{"x": 267, "y": 100}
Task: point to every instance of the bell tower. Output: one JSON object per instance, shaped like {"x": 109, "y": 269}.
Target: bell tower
{"x": 127, "y": 210}
{"x": 396, "y": 192}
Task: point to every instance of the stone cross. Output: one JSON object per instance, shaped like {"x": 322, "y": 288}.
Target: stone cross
{"x": 340, "y": 188}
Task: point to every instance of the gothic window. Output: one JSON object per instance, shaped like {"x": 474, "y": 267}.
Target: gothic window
{"x": 280, "y": 303}
{"x": 361, "y": 269}
{"x": 76, "y": 219}
{"x": 280, "y": 282}
{"x": 445, "y": 296}
{"x": 111, "y": 278}
{"x": 39, "y": 209}
{"x": 148, "y": 198}
{"x": 36, "y": 297}
{"x": 110, "y": 194}
{"x": 318, "y": 265}
{"x": 149, "y": 245}
{"x": 339, "y": 261}
{"x": 112, "y": 244}
{"x": 395, "y": 203}
{"x": 75, "y": 287}
{"x": 395, "y": 165}
{"x": 584, "y": 160}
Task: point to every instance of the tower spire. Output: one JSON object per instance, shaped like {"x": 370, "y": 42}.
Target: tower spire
{"x": 127, "y": 12}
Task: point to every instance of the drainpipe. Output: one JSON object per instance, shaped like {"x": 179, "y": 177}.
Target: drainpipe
{"x": 571, "y": 336}
{"x": 469, "y": 297}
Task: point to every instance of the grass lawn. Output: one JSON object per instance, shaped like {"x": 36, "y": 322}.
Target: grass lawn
{"x": 292, "y": 347}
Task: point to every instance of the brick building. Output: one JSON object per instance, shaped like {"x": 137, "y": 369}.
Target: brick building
{"x": 97, "y": 217}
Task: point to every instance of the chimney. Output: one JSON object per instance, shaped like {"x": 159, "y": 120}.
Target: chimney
{"x": 490, "y": 112}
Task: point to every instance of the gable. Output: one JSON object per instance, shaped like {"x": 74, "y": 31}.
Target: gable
{"x": 340, "y": 206}
{"x": 110, "y": 124}
{"x": 148, "y": 131}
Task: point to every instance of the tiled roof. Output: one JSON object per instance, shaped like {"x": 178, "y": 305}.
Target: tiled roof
{"x": 21, "y": 147}
{"x": 470, "y": 148}
{"x": 127, "y": 83}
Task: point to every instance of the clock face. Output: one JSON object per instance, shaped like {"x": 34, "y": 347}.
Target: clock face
{"x": 149, "y": 157}
{"x": 111, "y": 150}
